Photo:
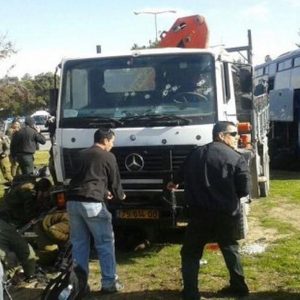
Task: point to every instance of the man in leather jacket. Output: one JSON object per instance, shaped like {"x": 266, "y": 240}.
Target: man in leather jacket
{"x": 215, "y": 177}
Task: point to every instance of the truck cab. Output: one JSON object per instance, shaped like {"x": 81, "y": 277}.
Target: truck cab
{"x": 161, "y": 103}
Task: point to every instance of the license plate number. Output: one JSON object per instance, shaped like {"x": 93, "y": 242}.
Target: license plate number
{"x": 138, "y": 214}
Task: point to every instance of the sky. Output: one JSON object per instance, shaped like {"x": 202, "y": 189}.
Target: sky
{"x": 43, "y": 32}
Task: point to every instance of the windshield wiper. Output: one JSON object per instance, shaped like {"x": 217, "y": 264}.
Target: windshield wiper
{"x": 156, "y": 118}
{"x": 93, "y": 122}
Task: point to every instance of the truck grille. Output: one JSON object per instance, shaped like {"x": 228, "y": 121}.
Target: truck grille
{"x": 156, "y": 162}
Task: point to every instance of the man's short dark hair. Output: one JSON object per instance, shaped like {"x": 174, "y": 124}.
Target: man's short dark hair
{"x": 103, "y": 133}
{"x": 221, "y": 126}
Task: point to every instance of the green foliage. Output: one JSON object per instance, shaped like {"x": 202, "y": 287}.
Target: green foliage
{"x": 151, "y": 45}
{"x": 6, "y": 47}
{"x": 22, "y": 97}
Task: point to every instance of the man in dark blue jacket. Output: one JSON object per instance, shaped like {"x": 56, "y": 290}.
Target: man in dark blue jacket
{"x": 215, "y": 177}
{"x": 24, "y": 143}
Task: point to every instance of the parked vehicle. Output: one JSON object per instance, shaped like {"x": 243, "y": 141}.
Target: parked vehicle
{"x": 40, "y": 117}
{"x": 281, "y": 76}
{"x": 162, "y": 103}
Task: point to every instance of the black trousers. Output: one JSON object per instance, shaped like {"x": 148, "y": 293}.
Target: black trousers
{"x": 25, "y": 162}
{"x": 203, "y": 228}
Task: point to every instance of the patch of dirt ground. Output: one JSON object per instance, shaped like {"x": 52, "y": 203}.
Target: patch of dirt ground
{"x": 285, "y": 212}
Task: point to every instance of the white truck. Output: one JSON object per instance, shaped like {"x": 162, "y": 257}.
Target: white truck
{"x": 161, "y": 103}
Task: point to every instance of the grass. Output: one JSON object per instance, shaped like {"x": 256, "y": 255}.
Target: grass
{"x": 154, "y": 273}
{"x": 41, "y": 158}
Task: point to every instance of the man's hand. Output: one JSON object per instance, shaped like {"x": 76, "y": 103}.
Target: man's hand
{"x": 171, "y": 186}
{"x": 109, "y": 195}
{"x": 38, "y": 129}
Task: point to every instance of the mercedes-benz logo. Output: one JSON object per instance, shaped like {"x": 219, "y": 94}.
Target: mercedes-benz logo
{"x": 134, "y": 162}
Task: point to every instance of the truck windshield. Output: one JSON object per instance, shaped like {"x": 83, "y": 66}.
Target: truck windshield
{"x": 130, "y": 91}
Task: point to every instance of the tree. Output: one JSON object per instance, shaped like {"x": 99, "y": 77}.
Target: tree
{"x": 151, "y": 45}
{"x": 23, "y": 97}
{"x": 6, "y": 50}
{"x": 6, "y": 47}
{"x": 42, "y": 85}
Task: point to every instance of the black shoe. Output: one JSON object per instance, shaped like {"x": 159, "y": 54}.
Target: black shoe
{"x": 230, "y": 291}
{"x": 84, "y": 292}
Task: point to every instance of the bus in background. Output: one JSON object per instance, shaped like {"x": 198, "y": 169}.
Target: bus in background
{"x": 281, "y": 77}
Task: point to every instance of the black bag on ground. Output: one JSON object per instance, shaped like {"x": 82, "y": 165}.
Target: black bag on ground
{"x": 70, "y": 284}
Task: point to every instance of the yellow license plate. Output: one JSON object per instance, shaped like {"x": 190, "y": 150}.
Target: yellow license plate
{"x": 138, "y": 214}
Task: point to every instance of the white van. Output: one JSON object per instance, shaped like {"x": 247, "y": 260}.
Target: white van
{"x": 40, "y": 117}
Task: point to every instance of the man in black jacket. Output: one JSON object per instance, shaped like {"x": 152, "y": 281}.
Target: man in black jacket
{"x": 215, "y": 177}
{"x": 96, "y": 181}
{"x": 24, "y": 143}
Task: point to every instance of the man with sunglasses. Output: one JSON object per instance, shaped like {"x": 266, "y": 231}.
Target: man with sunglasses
{"x": 215, "y": 177}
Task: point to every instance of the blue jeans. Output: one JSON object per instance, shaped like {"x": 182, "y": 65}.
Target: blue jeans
{"x": 94, "y": 219}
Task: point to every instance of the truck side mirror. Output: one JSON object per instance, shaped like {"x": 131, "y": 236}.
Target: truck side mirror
{"x": 53, "y": 99}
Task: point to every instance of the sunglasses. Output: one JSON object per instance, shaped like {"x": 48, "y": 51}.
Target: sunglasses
{"x": 233, "y": 133}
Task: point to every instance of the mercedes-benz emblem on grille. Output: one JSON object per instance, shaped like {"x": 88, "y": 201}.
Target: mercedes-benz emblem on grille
{"x": 134, "y": 162}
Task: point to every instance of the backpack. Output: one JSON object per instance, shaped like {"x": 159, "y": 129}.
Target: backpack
{"x": 70, "y": 284}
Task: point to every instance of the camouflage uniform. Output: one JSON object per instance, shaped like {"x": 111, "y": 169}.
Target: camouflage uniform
{"x": 4, "y": 160}
{"x": 53, "y": 232}
{"x": 19, "y": 204}
{"x": 26, "y": 201}
{"x": 12, "y": 245}
{"x": 15, "y": 126}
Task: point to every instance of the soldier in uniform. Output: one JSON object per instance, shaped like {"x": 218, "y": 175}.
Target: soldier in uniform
{"x": 15, "y": 250}
{"x": 15, "y": 126}
{"x": 4, "y": 154}
{"x": 26, "y": 201}
{"x": 31, "y": 201}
